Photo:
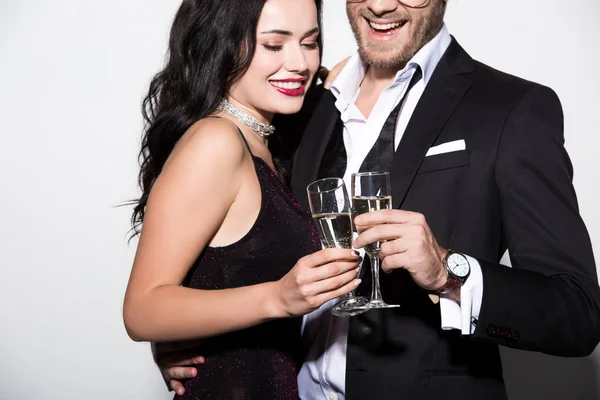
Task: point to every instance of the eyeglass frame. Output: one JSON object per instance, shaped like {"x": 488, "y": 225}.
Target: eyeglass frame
{"x": 423, "y": 4}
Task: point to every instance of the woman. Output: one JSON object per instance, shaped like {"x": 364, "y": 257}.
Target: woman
{"x": 226, "y": 254}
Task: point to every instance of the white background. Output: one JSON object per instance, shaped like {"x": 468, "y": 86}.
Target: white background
{"x": 72, "y": 75}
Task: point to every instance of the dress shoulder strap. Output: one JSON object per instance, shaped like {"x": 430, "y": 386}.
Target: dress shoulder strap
{"x": 239, "y": 130}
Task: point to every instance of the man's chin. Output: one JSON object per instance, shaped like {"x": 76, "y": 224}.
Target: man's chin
{"x": 381, "y": 58}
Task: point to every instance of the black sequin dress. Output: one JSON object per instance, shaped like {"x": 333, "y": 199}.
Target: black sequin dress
{"x": 260, "y": 362}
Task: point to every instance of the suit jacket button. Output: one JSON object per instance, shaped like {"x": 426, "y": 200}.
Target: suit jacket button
{"x": 490, "y": 330}
{"x": 516, "y": 335}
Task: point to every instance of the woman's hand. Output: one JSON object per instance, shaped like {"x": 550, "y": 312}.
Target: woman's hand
{"x": 314, "y": 280}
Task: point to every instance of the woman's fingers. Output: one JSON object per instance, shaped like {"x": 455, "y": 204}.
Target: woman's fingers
{"x": 332, "y": 284}
{"x": 332, "y": 270}
{"x": 325, "y": 297}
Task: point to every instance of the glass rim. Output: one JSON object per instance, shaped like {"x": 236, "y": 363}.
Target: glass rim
{"x": 328, "y": 190}
{"x": 372, "y": 173}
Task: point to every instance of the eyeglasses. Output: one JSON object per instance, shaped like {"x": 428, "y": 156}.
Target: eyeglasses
{"x": 407, "y": 3}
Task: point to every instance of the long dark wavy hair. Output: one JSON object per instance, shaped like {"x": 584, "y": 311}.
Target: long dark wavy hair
{"x": 211, "y": 45}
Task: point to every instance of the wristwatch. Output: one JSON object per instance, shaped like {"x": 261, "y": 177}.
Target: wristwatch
{"x": 458, "y": 269}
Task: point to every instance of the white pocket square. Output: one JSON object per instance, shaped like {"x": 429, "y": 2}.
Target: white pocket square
{"x": 455, "y": 145}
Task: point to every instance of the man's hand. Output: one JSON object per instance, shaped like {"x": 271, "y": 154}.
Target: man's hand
{"x": 175, "y": 372}
{"x": 175, "y": 363}
{"x": 409, "y": 244}
{"x": 329, "y": 76}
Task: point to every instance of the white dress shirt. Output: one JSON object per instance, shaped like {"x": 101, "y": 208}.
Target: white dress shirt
{"x": 323, "y": 373}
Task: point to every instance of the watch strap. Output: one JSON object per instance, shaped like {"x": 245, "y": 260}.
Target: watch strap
{"x": 451, "y": 284}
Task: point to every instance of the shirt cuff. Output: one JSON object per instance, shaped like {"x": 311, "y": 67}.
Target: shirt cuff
{"x": 463, "y": 316}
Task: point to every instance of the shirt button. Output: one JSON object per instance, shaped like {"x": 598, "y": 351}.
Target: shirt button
{"x": 332, "y": 396}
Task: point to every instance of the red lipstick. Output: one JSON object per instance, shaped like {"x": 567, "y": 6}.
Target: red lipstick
{"x": 292, "y": 92}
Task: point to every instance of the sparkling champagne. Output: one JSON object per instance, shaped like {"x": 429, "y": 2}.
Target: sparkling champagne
{"x": 362, "y": 205}
{"x": 335, "y": 230}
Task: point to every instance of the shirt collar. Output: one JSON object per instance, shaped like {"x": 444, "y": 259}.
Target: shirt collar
{"x": 430, "y": 55}
{"x": 346, "y": 85}
{"x": 348, "y": 81}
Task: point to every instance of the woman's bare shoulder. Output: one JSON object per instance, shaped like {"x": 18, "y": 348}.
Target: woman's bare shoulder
{"x": 211, "y": 141}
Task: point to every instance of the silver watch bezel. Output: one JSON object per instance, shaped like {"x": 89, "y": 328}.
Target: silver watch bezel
{"x": 451, "y": 273}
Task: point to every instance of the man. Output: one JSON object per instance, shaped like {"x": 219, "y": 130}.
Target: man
{"x": 477, "y": 166}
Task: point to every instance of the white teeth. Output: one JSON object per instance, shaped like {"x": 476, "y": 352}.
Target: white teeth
{"x": 384, "y": 27}
{"x": 287, "y": 85}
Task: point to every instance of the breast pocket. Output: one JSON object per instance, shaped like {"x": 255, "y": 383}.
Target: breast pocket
{"x": 438, "y": 162}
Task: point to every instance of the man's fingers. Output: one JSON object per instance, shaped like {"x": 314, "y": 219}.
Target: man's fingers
{"x": 177, "y": 373}
{"x": 390, "y": 263}
{"x": 380, "y": 233}
{"x": 180, "y": 373}
{"x": 389, "y": 217}
{"x": 190, "y": 361}
{"x": 334, "y": 73}
{"x": 177, "y": 387}
{"x": 395, "y": 246}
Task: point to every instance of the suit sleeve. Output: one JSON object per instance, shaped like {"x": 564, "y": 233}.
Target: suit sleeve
{"x": 549, "y": 301}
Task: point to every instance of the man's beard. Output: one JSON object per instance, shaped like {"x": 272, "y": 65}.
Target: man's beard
{"x": 380, "y": 56}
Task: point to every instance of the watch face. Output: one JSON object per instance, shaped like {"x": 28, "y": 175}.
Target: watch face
{"x": 458, "y": 265}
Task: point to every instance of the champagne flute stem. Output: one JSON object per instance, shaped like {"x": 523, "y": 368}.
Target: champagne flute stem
{"x": 375, "y": 289}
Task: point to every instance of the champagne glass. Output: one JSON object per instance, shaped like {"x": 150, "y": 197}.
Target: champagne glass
{"x": 330, "y": 208}
{"x": 371, "y": 191}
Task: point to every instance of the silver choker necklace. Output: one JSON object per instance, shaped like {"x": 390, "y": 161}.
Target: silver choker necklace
{"x": 263, "y": 130}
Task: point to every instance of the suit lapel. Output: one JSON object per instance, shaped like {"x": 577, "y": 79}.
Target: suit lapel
{"x": 441, "y": 96}
{"x": 312, "y": 146}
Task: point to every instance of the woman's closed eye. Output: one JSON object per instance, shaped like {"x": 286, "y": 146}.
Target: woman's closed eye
{"x": 273, "y": 47}
{"x": 276, "y": 48}
{"x": 311, "y": 46}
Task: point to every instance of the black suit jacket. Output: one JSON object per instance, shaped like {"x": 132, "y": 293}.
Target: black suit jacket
{"x": 510, "y": 189}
